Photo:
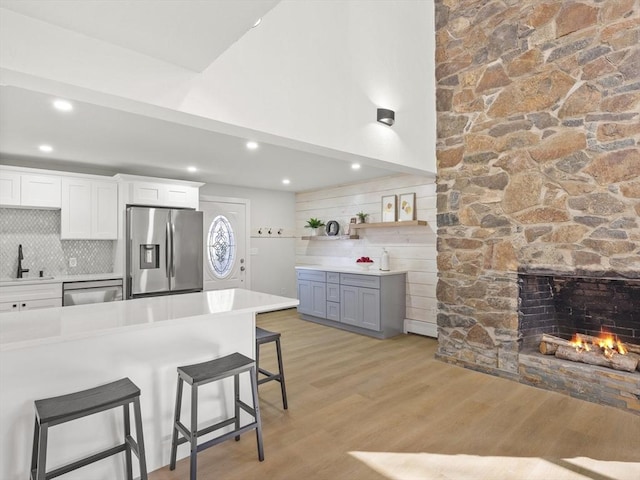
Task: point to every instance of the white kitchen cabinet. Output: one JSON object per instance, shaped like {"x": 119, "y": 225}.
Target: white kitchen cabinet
{"x": 19, "y": 189}
{"x": 15, "y": 298}
{"x": 9, "y": 189}
{"x": 89, "y": 209}
{"x": 104, "y": 209}
{"x": 164, "y": 194}
{"x": 40, "y": 191}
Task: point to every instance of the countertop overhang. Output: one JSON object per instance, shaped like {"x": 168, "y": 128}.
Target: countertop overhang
{"x": 39, "y": 327}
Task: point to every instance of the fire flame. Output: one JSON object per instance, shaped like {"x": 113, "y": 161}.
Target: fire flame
{"x": 607, "y": 344}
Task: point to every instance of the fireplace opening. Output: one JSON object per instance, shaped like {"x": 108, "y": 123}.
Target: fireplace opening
{"x": 563, "y": 306}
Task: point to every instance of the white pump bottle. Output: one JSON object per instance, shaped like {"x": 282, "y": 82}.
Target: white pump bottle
{"x": 384, "y": 261}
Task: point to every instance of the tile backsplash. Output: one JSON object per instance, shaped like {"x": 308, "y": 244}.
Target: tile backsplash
{"x": 39, "y": 233}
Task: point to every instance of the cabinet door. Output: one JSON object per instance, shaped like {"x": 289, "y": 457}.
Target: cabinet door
{"x": 333, "y": 292}
{"x": 146, "y": 193}
{"x": 304, "y": 296}
{"x": 104, "y": 209}
{"x": 319, "y": 299}
{"x": 40, "y": 191}
{"x": 75, "y": 214}
{"x": 37, "y": 304}
{"x": 9, "y": 307}
{"x": 349, "y": 311}
{"x": 369, "y": 303}
{"x": 181, "y": 196}
{"x": 9, "y": 189}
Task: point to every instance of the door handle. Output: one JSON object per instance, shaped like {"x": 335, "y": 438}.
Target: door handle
{"x": 242, "y": 269}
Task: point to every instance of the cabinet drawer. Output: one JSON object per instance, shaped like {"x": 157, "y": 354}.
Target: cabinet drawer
{"x": 333, "y": 311}
{"x": 355, "y": 280}
{"x": 333, "y": 277}
{"x": 313, "y": 275}
{"x": 333, "y": 292}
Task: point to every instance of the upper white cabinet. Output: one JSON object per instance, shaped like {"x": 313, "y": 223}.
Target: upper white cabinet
{"x": 89, "y": 209}
{"x": 19, "y": 189}
{"x": 158, "y": 192}
{"x": 9, "y": 189}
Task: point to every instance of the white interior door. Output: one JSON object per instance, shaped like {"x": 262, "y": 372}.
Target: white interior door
{"x": 225, "y": 243}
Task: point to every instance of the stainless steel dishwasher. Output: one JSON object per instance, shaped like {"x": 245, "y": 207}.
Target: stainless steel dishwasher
{"x": 92, "y": 291}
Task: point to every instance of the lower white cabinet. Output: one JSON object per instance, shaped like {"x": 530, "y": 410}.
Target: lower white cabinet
{"x": 372, "y": 304}
{"x": 16, "y": 298}
{"x": 89, "y": 209}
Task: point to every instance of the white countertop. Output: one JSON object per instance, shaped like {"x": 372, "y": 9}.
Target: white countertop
{"x": 7, "y": 282}
{"x": 35, "y": 327}
{"x": 373, "y": 270}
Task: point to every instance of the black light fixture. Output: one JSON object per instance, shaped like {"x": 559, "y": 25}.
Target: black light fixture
{"x": 388, "y": 117}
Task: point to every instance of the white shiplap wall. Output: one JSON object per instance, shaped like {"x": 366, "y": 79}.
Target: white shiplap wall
{"x": 410, "y": 248}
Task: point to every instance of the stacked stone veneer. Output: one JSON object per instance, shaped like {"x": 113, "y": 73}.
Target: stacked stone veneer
{"x": 538, "y": 159}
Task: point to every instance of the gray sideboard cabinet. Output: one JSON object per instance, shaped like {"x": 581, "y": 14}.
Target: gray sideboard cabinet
{"x": 367, "y": 303}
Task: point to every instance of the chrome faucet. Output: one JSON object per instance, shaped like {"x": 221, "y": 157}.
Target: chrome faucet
{"x": 20, "y": 258}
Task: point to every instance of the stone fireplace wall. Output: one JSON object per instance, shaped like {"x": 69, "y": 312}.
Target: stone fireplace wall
{"x": 538, "y": 159}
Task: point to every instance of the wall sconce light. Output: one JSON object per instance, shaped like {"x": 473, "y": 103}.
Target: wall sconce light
{"x": 388, "y": 117}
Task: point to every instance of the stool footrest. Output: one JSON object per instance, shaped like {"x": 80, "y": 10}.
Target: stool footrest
{"x": 227, "y": 436}
{"x": 85, "y": 461}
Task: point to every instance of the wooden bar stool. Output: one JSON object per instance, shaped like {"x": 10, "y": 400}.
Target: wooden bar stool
{"x": 200, "y": 374}
{"x": 62, "y": 409}
{"x": 265, "y": 336}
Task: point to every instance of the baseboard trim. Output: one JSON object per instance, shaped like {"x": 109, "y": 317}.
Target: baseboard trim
{"x": 420, "y": 328}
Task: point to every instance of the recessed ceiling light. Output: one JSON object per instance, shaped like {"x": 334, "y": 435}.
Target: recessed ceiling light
{"x": 286, "y": 181}
{"x": 192, "y": 169}
{"x": 63, "y": 105}
{"x": 258, "y": 22}
{"x": 355, "y": 166}
{"x": 251, "y": 145}
{"x": 46, "y": 148}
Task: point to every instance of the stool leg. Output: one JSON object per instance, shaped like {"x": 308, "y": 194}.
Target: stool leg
{"x": 142, "y": 459}
{"x": 236, "y": 406}
{"x": 41, "y": 470}
{"x": 256, "y": 407}
{"x": 194, "y": 432}
{"x": 127, "y": 434}
{"x": 34, "y": 450}
{"x": 281, "y": 373}
{"x": 176, "y": 419}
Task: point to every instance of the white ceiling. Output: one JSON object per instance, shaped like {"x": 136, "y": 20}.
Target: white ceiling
{"x": 94, "y": 139}
{"x": 187, "y": 33}
{"x": 104, "y": 139}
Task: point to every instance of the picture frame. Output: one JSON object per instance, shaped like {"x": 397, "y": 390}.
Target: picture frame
{"x": 389, "y": 208}
{"x": 407, "y": 207}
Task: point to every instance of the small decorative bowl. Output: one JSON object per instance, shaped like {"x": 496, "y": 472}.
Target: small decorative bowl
{"x": 364, "y": 265}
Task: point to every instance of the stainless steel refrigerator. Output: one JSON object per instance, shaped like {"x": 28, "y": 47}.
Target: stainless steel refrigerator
{"x": 164, "y": 251}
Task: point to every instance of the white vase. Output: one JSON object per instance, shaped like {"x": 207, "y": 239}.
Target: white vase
{"x": 314, "y": 232}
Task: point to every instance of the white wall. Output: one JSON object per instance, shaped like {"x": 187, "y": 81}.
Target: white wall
{"x": 272, "y": 256}
{"x": 410, "y": 248}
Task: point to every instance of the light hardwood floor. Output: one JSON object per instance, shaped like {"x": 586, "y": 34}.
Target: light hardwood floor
{"x": 368, "y": 409}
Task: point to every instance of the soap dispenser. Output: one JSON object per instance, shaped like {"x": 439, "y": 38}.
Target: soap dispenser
{"x": 384, "y": 261}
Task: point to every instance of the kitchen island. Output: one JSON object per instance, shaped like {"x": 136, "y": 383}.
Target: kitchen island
{"x": 54, "y": 351}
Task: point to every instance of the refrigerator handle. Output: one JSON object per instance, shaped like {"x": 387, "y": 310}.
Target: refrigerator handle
{"x": 168, "y": 250}
{"x": 173, "y": 256}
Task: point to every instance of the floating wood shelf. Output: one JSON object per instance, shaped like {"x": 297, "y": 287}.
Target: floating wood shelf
{"x": 332, "y": 237}
{"x": 406, "y": 223}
